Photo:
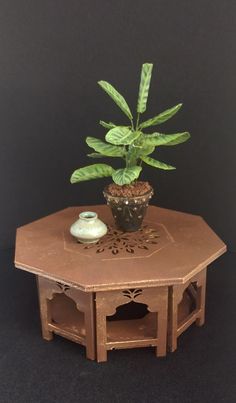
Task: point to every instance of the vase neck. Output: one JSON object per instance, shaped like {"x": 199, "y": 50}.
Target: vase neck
{"x": 88, "y": 216}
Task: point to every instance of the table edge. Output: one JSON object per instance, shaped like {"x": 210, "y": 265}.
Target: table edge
{"x": 120, "y": 286}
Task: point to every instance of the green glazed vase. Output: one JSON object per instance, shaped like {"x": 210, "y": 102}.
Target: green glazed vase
{"x": 88, "y": 229}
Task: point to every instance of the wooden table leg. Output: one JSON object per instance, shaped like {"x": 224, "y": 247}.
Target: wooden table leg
{"x": 198, "y": 315}
{"x": 201, "y": 298}
{"x": 45, "y": 313}
{"x": 89, "y": 317}
{"x": 101, "y": 327}
{"x": 161, "y": 306}
{"x": 175, "y": 296}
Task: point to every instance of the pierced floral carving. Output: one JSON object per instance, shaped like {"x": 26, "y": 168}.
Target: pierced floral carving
{"x": 132, "y": 293}
{"x": 63, "y": 287}
{"x": 116, "y": 241}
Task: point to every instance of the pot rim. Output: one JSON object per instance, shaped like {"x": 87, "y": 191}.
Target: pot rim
{"x": 149, "y": 192}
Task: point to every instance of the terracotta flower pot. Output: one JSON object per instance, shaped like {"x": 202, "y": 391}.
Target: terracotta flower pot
{"x": 128, "y": 212}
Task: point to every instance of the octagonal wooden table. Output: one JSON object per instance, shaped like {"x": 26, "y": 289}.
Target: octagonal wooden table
{"x": 158, "y": 274}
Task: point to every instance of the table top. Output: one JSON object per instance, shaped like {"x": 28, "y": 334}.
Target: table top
{"x": 170, "y": 248}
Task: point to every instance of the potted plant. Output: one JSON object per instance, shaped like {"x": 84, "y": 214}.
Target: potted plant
{"x": 127, "y": 196}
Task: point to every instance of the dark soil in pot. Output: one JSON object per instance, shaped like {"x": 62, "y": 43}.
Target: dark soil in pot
{"x": 128, "y": 204}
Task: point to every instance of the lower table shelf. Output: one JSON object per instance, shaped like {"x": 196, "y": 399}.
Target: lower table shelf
{"x": 132, "y": 329}
{"x": 68, "y": 321}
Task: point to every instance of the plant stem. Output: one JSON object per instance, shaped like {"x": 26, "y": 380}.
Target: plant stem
{"x": 137, "y": 123}
{"x": 132, "y": 124}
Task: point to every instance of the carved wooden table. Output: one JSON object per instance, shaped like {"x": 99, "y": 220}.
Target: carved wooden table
{"x": 127, "y": 290}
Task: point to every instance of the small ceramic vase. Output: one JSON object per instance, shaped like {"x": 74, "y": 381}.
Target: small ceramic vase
{"x": 88, "y": 229}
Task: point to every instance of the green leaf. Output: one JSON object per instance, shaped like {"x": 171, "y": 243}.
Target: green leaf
{"x": 109, "y": 125}
{"x": 91, "y": 172}
{"x": 185, "y": 136}
{"x": 156, "y": 163}
{"x": 161, "y": 118}
{"x": 145, "y": 150}
{"x": 104, "y": 148}
{"x": 146, "y": 75}
{"x": 121, "y": 135}
{"x": 127, "y": 175}
{"x": 139, "y": 151}
{"x": 96, "y": 155}
{"x": 159, "y": 139}
{"x": 117, "y": 98}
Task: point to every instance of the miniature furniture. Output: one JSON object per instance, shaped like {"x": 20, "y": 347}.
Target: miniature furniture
{"x": 129, "y": 289}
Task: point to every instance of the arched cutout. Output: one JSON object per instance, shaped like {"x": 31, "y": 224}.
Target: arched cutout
{"x": 131, "y": 321}
{"x": 64, "y": 312}
{"x": 132, "y": 310}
